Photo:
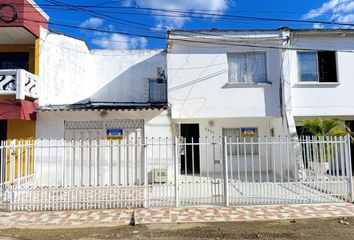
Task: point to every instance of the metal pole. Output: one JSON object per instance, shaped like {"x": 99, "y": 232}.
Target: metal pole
{"x": 226, "y": 176}
{"x": 145, "y": 169}
{"x": 349, "y": 169}
{"x": 176, "y": 172}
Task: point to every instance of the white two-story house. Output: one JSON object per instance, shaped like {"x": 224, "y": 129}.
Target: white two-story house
{"x": 318, "y": 75}
{"x": 222, "y": 83}
{"x": 255, "y": 83}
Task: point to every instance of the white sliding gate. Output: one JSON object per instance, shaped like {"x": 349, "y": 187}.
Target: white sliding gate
{"x": 160, "y": 172}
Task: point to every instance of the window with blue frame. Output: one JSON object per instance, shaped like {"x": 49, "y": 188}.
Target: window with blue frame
{"x": 317, "y": 66}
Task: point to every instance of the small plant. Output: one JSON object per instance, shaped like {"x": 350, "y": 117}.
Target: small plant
{"x": 323, "y": 129}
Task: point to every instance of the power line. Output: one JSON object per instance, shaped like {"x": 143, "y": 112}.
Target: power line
{"x": 199, "y": 13}
{"x": 219, "y": 42}
{"x": 336, "y": 11}
{"x": 117, "y": 20}
{"x": 57, "y": 3}
{"x": 54, "y": 8}
{"x": 101, "y": 6}
{"x": 252, "y": 17}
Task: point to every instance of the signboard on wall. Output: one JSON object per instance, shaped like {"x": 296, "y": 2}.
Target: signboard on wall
{"x": 115, "y": 134}
{"x": 248, "y": 132}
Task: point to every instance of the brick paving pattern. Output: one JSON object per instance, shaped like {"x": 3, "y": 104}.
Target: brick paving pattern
{"x": 116, "y": 217}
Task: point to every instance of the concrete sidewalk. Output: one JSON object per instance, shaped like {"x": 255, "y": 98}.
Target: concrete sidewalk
{"x": 118, "y": 217}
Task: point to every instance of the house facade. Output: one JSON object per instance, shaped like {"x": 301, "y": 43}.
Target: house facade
{"x": 261, "y": 83}
{"x": 219, "y": 85}
{"x": 317, "y": 75}
{"x": 97, "y": 94}
{"x": 20, "y": 26}
{"x": 260, "y": 74}
{"x": 209, "y": 120}
{"x": 54, "y": 86}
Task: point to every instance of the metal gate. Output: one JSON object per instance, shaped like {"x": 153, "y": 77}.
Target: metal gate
{"x": 146, "y": 172}
{"x": 269, "y": 171}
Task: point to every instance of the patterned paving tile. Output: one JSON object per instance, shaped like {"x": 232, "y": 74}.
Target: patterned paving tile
{"x": 170, "y": 215}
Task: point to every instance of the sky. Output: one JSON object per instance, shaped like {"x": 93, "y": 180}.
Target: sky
{"x": 140, "y": 24}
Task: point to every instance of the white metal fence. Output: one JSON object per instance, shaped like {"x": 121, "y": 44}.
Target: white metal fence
{"x": 159, "y": 172}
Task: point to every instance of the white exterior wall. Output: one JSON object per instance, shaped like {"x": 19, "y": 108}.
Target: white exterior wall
{"x": 71, "y": 73}
{"x": 157, "y": 124}
{"x": 197, "y": 77}
{"x": 208, "y": 131}
{"x": 50, "y": 125}
{"x": 122, "y": 76}
{"x": 323, "y": 99}
{"x": 65, "y": 69}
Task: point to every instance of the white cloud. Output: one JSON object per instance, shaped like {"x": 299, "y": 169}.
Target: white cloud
{"x": 119, "y": 41}
{"x": 111, "y": 40}
{"x": 318, "y": 26}
{"x": 214, "y": 6}
{"x": 334, "y": 10}
{"x": 92, "y": 23}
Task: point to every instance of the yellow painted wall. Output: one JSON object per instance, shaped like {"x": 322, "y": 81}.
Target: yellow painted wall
{"x": 21, "y": 129}
{"x": 8, "y": 97}
{"x": 36, "y": 56}
{"x": 23, "y": 132}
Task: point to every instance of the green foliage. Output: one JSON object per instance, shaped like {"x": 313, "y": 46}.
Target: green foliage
{"x": 321, "y": 129}
{"x": 327, "y": 127}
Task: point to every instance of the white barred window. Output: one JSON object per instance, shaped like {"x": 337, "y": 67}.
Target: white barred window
{"x": 247, "y": 67}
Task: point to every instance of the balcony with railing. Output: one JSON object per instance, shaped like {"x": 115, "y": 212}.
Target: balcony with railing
{"x": 157, "y": 90}
{"x": 20, "y": 83}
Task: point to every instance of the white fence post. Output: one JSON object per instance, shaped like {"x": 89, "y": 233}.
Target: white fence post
{"x": 349, "y": 168}
{"x": 145, "y": 169}
{"x": 12, "y": 152}
{"x": 176, "y": 172}
{"x": 226, "y": 175}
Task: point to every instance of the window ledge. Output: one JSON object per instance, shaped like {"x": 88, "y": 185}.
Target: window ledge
{"x": 246, "y": 85}
{"x": 317, "y": 84}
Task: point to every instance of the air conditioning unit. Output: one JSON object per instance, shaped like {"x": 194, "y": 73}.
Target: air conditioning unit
{"x": 159, "y": 175}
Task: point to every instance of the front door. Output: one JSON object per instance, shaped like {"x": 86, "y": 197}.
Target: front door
{"x": 190, "y": 159}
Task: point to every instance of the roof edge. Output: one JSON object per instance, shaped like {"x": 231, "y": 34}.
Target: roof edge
{"x": 103, "y": 106}
{"x": 39, "y": 9}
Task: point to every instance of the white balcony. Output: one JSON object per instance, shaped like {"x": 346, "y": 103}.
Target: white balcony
{"x": 20, "y": 83}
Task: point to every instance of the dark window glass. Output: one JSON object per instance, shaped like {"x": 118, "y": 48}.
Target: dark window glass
{"x": 14, "y": 60}
{"x": 317, "y": 66}
{"x": 327, "y": 66}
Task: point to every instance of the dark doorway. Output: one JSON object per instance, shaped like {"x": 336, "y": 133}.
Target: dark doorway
{"x": 190, "y": 159}
{"x": 3, "y": 130}
{"x": 350, "y": 124}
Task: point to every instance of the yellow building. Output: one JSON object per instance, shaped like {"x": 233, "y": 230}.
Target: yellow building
{"x": 19, "y": 77}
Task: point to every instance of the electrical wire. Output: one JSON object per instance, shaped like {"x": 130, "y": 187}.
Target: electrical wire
{"x": 208, "y": 41}
{"x": 199, "y": 13}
